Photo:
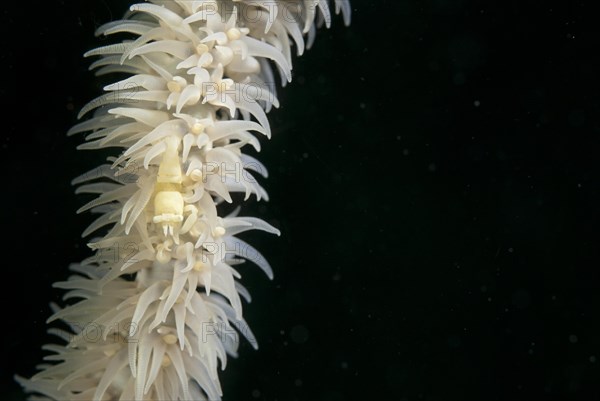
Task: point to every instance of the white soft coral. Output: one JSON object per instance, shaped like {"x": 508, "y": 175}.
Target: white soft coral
{"x": 162, "y": 291}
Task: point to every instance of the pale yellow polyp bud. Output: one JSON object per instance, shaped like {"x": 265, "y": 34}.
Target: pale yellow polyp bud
{"x": 219, "y": 231}
{"x": 173, "y": 86}
{"x": 234, "y": 34}
{"x": 170, "y": 339}
{"x": 197, "y": 128}
{"x": 196, "y": 175}
{"x": 109, "y": 352}
{"x": 201, "y": 49}
{"x": 166, "y": 361}
{"x": 177, "y": 84}
{"x": 198, "y": 266}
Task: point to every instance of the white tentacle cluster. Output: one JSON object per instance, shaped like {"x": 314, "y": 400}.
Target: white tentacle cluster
{"x": 157, "y": 306}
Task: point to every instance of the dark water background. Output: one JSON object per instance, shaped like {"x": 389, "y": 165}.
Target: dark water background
{"x": 433, "y": 172}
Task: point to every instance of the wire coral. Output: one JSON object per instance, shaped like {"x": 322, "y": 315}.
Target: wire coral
{"x": 201, "y": 82}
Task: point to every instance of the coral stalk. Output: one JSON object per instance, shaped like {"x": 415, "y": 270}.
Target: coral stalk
{"x": 156, "y": 323}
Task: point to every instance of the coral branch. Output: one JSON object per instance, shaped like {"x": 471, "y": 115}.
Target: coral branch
{"x": 158, "y": 307}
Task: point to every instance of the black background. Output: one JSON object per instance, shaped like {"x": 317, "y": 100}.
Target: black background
{"x": 432, "y": 172}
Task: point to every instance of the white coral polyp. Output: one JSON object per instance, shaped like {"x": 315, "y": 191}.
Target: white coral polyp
{"x": 158, "y": 303}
